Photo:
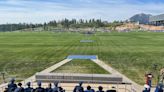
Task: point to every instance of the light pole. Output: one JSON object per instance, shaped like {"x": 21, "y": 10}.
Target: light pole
{"x": 3, "y": 77}
{"x": 155, "y": 66}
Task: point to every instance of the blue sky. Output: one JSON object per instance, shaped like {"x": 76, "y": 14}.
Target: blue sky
{"x": 39, "y": 11}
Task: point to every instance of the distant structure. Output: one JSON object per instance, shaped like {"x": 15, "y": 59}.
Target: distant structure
{"x": 157, "y": 20}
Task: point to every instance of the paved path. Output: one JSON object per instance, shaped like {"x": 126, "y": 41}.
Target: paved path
{"x": 48, "y": 70}
{"x": 137, "y": 87}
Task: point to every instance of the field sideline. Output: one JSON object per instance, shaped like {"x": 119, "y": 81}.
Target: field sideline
{"x": 25, "y": 53}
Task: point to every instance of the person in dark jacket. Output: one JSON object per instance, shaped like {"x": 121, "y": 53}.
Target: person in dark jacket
{"x": 12, "y": 86}
{"x": 79, "y": 88}
{"x": 56, "y": 88}
{"x": 145, "y": 90}
{"x": 112, "y": 90}
{"x": 20, "y": 88}
{"x": 61, "y": 89}
{"x": 39, "y": 88}
{"x": 89, "y": 89}
{"x": 29, "y": 88}
{"x": 49, "y": 89}
{"x": 6, "y": 90}
{"x": 100, "y": 89}
{"x": 159, "y": 88}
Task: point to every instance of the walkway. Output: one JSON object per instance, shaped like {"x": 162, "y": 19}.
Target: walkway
{"x": 138, "y": 88}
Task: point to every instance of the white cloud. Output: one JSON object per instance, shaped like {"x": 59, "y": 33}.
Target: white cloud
{"x": 15, "y": 11}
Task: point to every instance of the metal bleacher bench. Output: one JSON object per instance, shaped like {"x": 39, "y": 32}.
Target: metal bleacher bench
{"x": 74, "y": 78}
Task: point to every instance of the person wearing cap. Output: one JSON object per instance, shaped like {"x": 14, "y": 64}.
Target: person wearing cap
{"x": 29, "y": 88}
{"x": 89, "y": 89}
{"x": 79, "y": 88}
{"x": 20, "y": 88}
{"x": 56, "y": 88}
{"x": 100, "y": 89}
{"x": 39, "y": 88}
{"x": 12, "y": 86}
{"x": 49, "y": 89}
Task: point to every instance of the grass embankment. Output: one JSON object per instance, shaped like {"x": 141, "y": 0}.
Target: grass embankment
{"x": 81, "y": 66}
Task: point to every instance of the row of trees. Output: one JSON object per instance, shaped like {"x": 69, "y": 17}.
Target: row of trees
{"x": 20, "y": 26}
{"x": 65, "y": 23}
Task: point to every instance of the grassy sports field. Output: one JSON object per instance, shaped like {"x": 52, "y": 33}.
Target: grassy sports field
{"x": 22, "y": 54}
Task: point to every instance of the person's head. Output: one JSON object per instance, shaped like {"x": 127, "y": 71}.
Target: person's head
{"x": 28, "y": 84}
{"x": 49, "y": 85}
{"x": 60, "y": 89}
{"x": 56, "y": 84}
{"x": 39, "y": 84}
{"x": 12, "y": 80}
{"x": 6, "y": 90}
{"x": 80, "y": 83}
{"x": 146, "y": 87}
{"x": 19, "y": 84}
{"x": 100, "y": 88}
{"x": 88, "y": 87}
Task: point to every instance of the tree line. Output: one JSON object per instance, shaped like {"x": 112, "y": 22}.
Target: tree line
{"x": 15, "y": 27}
{"x": 64, "y": 23}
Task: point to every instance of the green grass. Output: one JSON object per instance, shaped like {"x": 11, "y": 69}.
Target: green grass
{"x": 81, "y": 66}
{"x": 22, "y": 54}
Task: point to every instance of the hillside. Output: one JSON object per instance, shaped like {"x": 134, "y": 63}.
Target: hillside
{"x": 141, "y": 18}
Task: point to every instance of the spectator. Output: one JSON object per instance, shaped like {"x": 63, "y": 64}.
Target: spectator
{"x": 20, "y": 88}
{"x": 159, "y": 88}
{"x": 112, "y": 90}
{"x": 79, "y": 88}
{"x": 145, "y": 90}
{"x": 6, "y": 90}
{"x": 49, "y": 89}
{"x": 12, "y": 86}
{"x": 89, "y": 89}
{"x": 29, "y": 89}
{"x": 61, "y": 89}
{"x": 39, "y": 88}
{"x": 100, "y": 89}
{"x": 56, "y": 88}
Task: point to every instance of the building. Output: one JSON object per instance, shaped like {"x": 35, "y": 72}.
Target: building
{"x": 157, "y": 20}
